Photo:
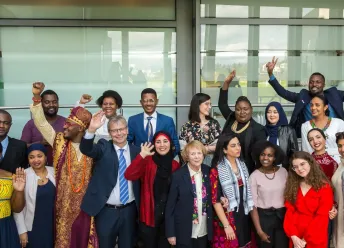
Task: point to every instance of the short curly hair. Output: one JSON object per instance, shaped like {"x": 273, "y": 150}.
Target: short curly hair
{"x": 193, "y": 144}
{"x": 110, "y": 93}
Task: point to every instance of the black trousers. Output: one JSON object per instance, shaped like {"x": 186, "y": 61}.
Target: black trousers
{"x": 201, "y": 242}
{"x": 153, "y": 237}
{"x": 271, "y": 221}
{"x": 117, "y": 224}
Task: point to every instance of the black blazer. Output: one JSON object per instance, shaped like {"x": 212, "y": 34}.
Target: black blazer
{"x": 105, "y": 173}
{"x": 179, "y": 208}
{"x": 15, "y": 156}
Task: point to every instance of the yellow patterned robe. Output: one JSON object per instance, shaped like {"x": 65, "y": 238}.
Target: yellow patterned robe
{"x": 68, "y": 202}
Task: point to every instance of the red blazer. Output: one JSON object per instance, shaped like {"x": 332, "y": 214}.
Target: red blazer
{"x": 308, "y": 218}
{"x": 145, "y": 170}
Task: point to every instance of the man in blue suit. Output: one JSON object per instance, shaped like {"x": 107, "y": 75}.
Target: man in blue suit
{"x": 112, "y": 199}
{"x": 143, "y": 126}
{"x": 302, "y": 111}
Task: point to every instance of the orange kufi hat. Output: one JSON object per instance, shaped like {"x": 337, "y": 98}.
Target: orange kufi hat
{"x": 80, "y": 116}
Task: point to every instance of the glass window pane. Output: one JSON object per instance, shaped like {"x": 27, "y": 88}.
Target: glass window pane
{"x": 86, "y": 9}
{"x": 87, "y": 60}
{"x": 272, "y": 9}
{"x": 301, "y": 51}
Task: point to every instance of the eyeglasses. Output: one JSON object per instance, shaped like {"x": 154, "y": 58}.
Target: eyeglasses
{"x": 5, "y": 123}
{"x": 148, "y": 101}
{"x": 119, "y": 130}
{"x": 295, "y": 168}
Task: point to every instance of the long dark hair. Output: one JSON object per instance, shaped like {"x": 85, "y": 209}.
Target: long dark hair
{"x": 197, "y": 100}
{"x": 222, "y": 143}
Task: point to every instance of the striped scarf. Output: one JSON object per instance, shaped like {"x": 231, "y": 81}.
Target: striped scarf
{"x": 230, "y": 187}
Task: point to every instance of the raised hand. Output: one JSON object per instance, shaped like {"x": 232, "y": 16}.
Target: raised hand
{"x": 37, "y": 88}
{"x": 228, "y": 80}
{"x": 85, "y": 98}
{"x": 146, "y": 150}
{"x": 271, "y": 65}
{"x": 97, "y": 121}
{"x": 19, "y": 179}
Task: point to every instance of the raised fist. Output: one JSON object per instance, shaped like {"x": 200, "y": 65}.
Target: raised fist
{"x": 37, "y": 88}
{"x": 85, "y": 98}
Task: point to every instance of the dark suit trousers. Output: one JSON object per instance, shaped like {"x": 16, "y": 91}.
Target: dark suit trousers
{"x": 117, "y": 224}
{"x": 201, "y": 242}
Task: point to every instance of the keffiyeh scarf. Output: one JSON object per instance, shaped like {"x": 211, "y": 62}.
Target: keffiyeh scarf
{"x": 230, "y": 187}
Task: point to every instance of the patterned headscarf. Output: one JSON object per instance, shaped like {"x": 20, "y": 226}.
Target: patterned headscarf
{"x": 80, "y": 116}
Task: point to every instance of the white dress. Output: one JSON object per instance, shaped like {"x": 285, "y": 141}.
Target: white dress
{"x": 337, "y": 125}
{"x": 338, "y": 222}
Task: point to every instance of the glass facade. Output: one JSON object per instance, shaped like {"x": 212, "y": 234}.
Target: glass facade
{"x": 178, "y": 47}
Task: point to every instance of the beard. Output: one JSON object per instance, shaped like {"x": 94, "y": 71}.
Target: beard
{"x": 47, "y": 113}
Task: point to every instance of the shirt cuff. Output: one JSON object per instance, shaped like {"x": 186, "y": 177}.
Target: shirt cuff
{"x": 272, "y": 77}
{"x": 78, "y": 104}
{"x": 88, "y": 135}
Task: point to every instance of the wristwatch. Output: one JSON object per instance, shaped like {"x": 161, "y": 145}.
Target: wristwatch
{"x": 225, "y": 226}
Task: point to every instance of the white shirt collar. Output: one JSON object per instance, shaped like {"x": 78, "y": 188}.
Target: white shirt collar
{"x": 154, "y": 115}
{"x": 124, "y": 147}
{"x": 192, "y": 172}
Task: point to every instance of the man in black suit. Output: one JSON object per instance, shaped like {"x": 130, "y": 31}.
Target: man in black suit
{"x": 13, "y": 150}
{"x": 112, "y": 199}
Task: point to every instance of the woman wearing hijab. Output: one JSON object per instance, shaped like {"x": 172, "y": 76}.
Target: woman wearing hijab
{"x": 37, "y": 217}
{"x": 154, "y": 167}
{"x": 279, "y": 132}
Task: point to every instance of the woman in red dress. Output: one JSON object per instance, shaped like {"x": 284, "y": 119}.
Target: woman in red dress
{"x": 309, "y": 198}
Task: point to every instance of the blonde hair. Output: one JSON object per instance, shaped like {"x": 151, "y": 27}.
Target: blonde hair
{"x": 193, "y": 144}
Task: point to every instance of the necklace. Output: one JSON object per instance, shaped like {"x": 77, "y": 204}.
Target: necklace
{"x": 235, "y": 126}
{"x": 272, "y": 178}
{"x": 325, "y": 127}
{"x": 70, "y": 171}
{"x": 43, "y": 178}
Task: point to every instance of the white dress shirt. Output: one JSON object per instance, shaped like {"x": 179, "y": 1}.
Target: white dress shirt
{"x": 114, "y": 198}
{"x": 24, "y": 219}
{"x": 200, "y": 229}
{"x": 153, "y": 121}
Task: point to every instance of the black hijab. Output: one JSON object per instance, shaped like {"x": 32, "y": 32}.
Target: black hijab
{"x": 163, "y": 162}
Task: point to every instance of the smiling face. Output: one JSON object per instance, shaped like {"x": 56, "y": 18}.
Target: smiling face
{"x": 205, "y": 107}
{"x": 195, "y": 157}
{"x": 37, "y": 159}
{"x": 317, "y": 141}
{"x": 272, "y": 115}
{"x": 71, "y": 129}
{"x": 267, "y": 157}
{"x": 243, "y": 111}
{"x": 50, "y": 105}
{"x": 233, "y": 148}
{"x": 162, "y": 145}
{"x": 109, "y": 106}
{"x": 148, "y": 103}
{"x": 301, "y": 167}
{"x": 340, "y": 146}
{"x": 318, "y": 108}
{"x": 316, "y": 84}
{"x": 119, "y": 133}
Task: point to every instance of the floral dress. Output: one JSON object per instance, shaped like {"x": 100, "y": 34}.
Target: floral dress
{"x": 206, "y": 135}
